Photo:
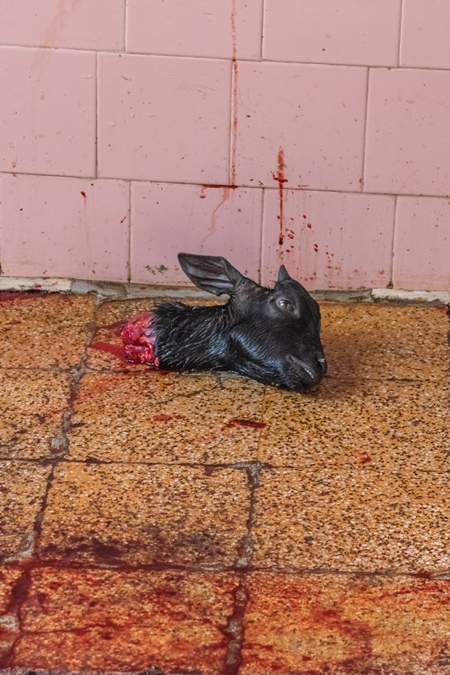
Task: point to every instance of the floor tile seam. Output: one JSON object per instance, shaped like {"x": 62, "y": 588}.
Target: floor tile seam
{"x": 48, "y": 324}
{"x": 102, "y": 300}
{"x": 207, "y": 389}
{"x": 268, "y": 466}
{"x": 237, "y": 466}
{"x": 253, "y": 471}
{"x": 23, "y": 670}
{"x": 143, "y": 373}
{"x": 208, "y": 467}
{"x": 234, "y": 630}
{"x": 400, "y": 380}
{"x": 235, "y": 627}
{"x": 77, "y": 631}
{"x": 437, "y": 575}
{"x": 77, "y": 373}
{"x": 43, "y": 461}
{"x": 262, "y": 417}
{"x": 37, "y": 525}
{"x": 34, "y": 369}
{"x": 154, "y": 371}
{"x": 60, "y": 564}
{"x": 128, "y": 372}
{"x": 19, "y": 595}
{"x": 35, "y": 564}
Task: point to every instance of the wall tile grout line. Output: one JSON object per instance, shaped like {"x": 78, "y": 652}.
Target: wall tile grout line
{"x": 400, "y": 33}
{"x": 366, "y": 117}
{"x": 233, "y": 123}
{"x": 125, "y": 20}
{"x": 422, "y": 195}
{"x": 262, "y": 237}
{"x": 263, "y": 28}
{"x": 129, "y": 233}
{"x": 225, "y": 58}
{"x": 97, "y": 84}
{"x": 233, "y": 97}
{"x": 260, "y": 60}
{"x": 394, "y": 233}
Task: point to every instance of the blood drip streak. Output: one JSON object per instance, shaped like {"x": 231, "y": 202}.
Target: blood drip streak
{"x": 279, "y": 177}
{"x": 234, "y": 125}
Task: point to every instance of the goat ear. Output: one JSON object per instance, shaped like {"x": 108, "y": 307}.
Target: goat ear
{"x": 283, "y": 274}
{"x": 210, "y": 273}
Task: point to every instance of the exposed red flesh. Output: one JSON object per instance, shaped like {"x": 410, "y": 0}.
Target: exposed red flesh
{"x": 139, "y": 340}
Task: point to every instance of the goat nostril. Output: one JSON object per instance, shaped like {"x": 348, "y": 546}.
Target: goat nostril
{"x": 321, "y": 360}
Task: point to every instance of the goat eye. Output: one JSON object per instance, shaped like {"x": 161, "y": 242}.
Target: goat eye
{"x": 285, "y": 304}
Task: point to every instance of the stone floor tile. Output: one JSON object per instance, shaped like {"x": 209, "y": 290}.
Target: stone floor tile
{"x": 359, "y": 520}
{"x": 345, "y": 423}
{"x": 22, "y": 489}
{"x": 385, "y": 341}
{"x": 166, "y": 417}
{"x": 44, "y": 330}
{"x": 346, "y": 624}
{"x": 105, "y": 352}
{"x": 31, "y": 412}
{"x": 144, "y": 514}
{"x": 77, "y": 619}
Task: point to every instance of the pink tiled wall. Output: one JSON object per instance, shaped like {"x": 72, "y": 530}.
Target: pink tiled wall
{"x": 310, "y": 132}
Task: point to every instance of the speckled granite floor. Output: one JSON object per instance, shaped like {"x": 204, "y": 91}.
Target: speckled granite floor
{"x": 206, "y": 524}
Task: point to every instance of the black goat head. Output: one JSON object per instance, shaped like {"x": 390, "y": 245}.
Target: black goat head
{"x": 271, "y": 335}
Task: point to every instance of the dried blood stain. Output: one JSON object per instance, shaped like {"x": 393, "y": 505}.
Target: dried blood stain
{"x": 362, "y": 457}
{"x": 252, "y": 424}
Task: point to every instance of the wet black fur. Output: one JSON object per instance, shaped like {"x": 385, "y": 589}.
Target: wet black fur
{"x": 269, "y": 335}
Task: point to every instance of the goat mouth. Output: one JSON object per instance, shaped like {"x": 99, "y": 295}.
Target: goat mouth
{"x": 313, "y": 377}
